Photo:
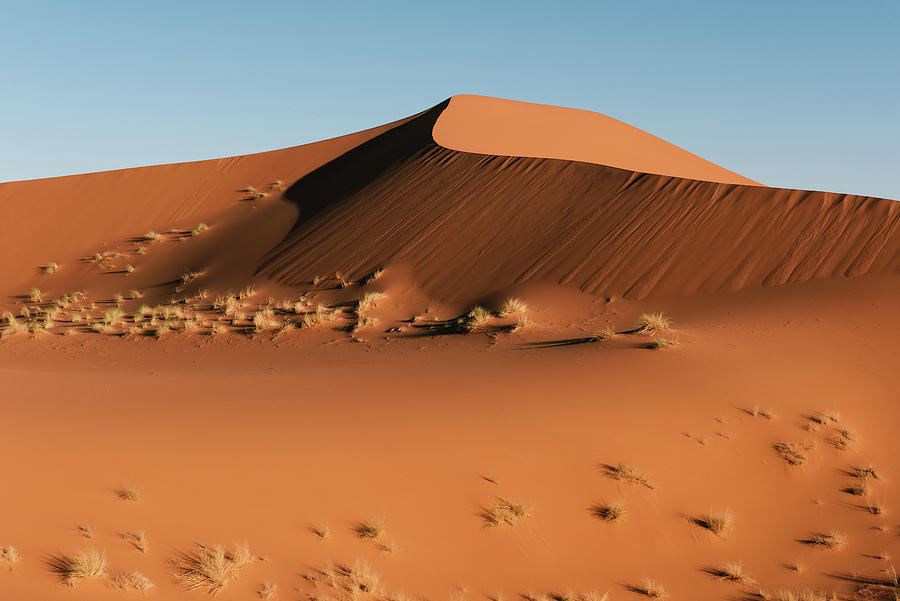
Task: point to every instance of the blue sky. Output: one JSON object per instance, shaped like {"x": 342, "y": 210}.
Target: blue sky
{"x": 798, "y": 93}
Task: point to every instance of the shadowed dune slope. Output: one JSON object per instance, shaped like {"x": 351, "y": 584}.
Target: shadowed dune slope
{"x": 469, "y": 224}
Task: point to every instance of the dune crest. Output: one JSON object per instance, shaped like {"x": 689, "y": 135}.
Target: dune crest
{"x": 486, "y": 125}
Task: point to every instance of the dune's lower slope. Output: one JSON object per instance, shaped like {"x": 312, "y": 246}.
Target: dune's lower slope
{"x": 469, "y": 224}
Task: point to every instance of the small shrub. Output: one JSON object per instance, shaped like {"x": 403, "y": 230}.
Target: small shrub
{"x": 650, "y": 323}
{"x": 50, "y": 267}
{"x": 864, "y": 473}
{"x": 152, "y": 236}
{"x": 860, "y": 490}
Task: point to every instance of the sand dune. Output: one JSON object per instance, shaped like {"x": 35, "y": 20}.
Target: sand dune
{"x": 305, "y": 360}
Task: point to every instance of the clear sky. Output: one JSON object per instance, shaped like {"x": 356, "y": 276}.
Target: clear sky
{"x": 792, "y": 93}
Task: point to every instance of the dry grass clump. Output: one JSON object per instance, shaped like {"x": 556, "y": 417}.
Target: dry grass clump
{"x": 129, "y": 494}
{"x": 827, "y": 540}
{"x": 474, "y": 319}
{"x": 9, "y": 556}
{"x": 650, "y": 323}
{"x": 513, "y": 305}
{"x": 628, "y": 474}
{"x": 368, "y": 302}
{"x": 362, "y": 323}
{"x": 794, "y": 453}
{"x": 35, "y": 295}
{"x": 864, "y": 473}
{"x": 661, "y": 343}
{"x": 267, "y": 591}
{"x": 200, "y": 228}
{"x": 650, "y": 588}
{"x": 132, "y": 581}
{"x": 322, "y": 531}
{"x": 732, "y": 572}
{"x": 189, "y": 276}
{"x": 504, "y": 512}
{"x": 859, "y": 490}
{"x": 79, "y": 566}
{"x": 604, "y": 333}
{"x": 50, "y": 267}
{"x": 719, "y": 523}
{"x": 134, "y": 294}
{"x": 321, "y": 315}
{"x": 113, "y": 316}
{"x": 612, "y": 512}
{"x": 13, "y": 325}
{"x": 210, "y": 568}
{"x": 373, "y": 276}
{"x": 152, "y": 236}
{"x": 264, "y": 320}
{"x": 371, "y": 529}
{"x": 138, "y": 540}
{"x": 361, "y": 577}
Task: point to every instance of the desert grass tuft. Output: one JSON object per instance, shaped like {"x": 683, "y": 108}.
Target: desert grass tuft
{"x": 859, "y": 490}
{"x": 322, "y": 531}
{"x": 474, "y": 319}
{"x": 650, "y": 323}
{"x": 864, "y": 472}
{"x": 210, "y": 568}
{"x": 827, "y": 540}
{"x": 719, "y": 523}
{"x": 35, "y": 295}
{"x": 138, "y": 540}
{"x": 368, "y": 302}
{"x": 130, "y": 494}
{"x": 511, "y": 306}
{"x": 626, "y": 473}
{"x": 152, "y": 236}
{"x": 373, "y": 276}
{"x": 202, "y": 227}
{"x": 794, "y": 453}
{"x": 79, "y": 566}
{"x": 9, "y": 556}
{"x": 267, "y": 591}
{"x": 732, "y": 572}
{"x": 612, "y": 512}
{"x": 50, "y": 267}
{"x": 132, "y": 581}
{"x": 504, "y": 513}
{"x": 370, "y": 529}
{"x": 650, "y": 588}
{"x": 661, "y": 343}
